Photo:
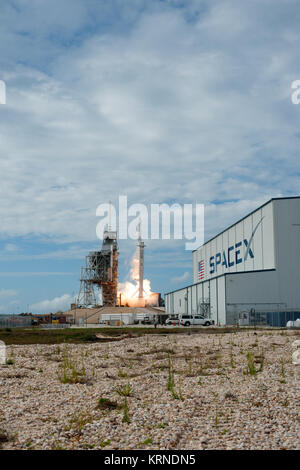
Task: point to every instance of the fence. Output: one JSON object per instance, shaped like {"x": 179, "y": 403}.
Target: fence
{"x": 277, "y": 319}
{"x": 51, "y": 326}
{"x": 14, "y": 321}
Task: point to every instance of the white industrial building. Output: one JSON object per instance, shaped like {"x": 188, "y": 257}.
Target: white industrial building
{"x": 250, "y": 272}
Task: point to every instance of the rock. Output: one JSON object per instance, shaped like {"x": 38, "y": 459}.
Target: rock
{"x": 296, "y": 357}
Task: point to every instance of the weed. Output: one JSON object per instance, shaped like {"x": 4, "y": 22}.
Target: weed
{"x": 106, "y": 404}
{"x": 10, "y": 362}
{"x": 180, "y": 391}
{"x": 105, "y": 443}
{"x": 231, "y": 360}
{"x": 261, "y": 361}
{"x": 171, "y": 381}
{"x": 147, "y": 442}
{"x": 126, "y": 418}
{"x": 122, "y": 374}
{"x": 282, "y": 368}
{"x": 29, "y": 444}
{"x": 77, "y": 422}
{"x": 251, "y": 370}
{"x": 225, "y": 431}
{"x": 68, "y": 372}
{"x": 125, "y": 392}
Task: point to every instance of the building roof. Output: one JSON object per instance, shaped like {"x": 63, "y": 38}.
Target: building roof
{"x": 252, "y": 212}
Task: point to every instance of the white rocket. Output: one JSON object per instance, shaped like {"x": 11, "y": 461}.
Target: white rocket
{"x": 141, "y": 246}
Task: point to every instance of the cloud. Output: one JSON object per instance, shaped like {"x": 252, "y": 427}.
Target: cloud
{"x": 164, "y": 109}
{"x": 70, "y": 252}
{"x": 37, "y": 273}
{"x": 6, "y": 293}
{"x": 162, "y": 101}
{"x": 58, "y": 303}
{"x": 10, "y": 247}
{"x": 180, "y": 279}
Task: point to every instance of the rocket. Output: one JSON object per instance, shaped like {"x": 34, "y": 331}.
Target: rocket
{"x": 141, "y": 246}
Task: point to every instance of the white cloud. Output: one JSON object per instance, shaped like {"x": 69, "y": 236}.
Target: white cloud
{"x": 47, "y": 306}
{"x": 162, "y": 109}
{"x": 180, "y": 279}
{"x": 6, "y": 293}
{"x": 36, "y": 273}
{"x": 10, "y": 247}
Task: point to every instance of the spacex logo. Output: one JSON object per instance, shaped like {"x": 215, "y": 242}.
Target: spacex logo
{"x": 233, "y": 255}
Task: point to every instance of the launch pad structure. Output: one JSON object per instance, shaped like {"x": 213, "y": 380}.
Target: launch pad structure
{"x": 100, "y": 270}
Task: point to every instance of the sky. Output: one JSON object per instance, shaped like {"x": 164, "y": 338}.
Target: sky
{"x": 162, "y": 101}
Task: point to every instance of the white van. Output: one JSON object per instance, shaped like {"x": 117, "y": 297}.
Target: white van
{"x": 187, "y": 320}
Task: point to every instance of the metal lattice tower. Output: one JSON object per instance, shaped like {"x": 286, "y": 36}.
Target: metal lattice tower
{"x": 101, "y": 270}
{"x": 86, "y": 295}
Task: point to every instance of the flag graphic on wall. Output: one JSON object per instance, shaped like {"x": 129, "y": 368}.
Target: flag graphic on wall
{"x": 201, "y": 270}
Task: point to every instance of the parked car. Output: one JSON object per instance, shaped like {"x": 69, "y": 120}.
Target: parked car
{"x": 188, "y": 320}
{"x": 171, "y": 320}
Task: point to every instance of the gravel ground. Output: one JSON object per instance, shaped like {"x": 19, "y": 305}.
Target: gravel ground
{"x": 184, "y": 392}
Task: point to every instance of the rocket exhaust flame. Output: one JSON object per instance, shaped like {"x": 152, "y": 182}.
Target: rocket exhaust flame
{"x": 130, "y": 290}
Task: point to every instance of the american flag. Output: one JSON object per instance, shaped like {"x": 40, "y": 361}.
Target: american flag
{"x": 201, "y": 270}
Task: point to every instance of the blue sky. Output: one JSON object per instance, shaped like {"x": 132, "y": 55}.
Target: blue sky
{"x": 183, "y": 101}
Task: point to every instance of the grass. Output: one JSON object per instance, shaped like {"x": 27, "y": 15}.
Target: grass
{"x": 147, "y": 442}
{"x": 125, "y": 392}
{"x": 78, "y": 421}
{"x": 261, "y": 360}
{"x": 105, "y": 443}
{"x": 282, "y": 369}
{"x": 122, "y": 374}
{"x": 251, "y": 369}
{"x": 9, "y": 362}
{"x": 69, "y": 371}
{"x": 232, "y": 360}
{"x": 36, "y": 335}
{"x": 171, "y": 382}
{"x": 106, "y": 404}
